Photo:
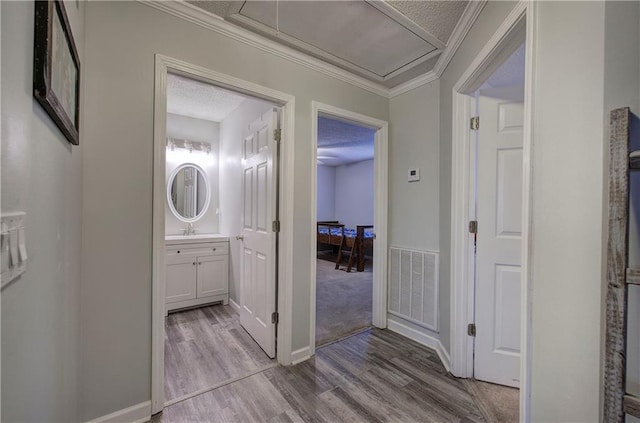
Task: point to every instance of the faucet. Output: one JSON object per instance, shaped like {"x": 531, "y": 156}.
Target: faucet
{"x": 190, "y": 230}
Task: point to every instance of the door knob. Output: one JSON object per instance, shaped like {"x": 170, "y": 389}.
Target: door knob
{"x": 240, "y": 237}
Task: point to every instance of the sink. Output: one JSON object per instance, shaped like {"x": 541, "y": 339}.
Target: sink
{"x": 185, "y": 239}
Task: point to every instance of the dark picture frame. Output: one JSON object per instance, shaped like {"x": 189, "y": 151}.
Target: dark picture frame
{"x": 56, "y": 67}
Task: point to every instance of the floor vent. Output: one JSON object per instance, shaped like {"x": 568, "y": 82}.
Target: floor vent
{"x": 413, "y": 286}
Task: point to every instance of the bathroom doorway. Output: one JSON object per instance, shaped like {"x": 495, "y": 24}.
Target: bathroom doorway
{"x": 221, "y": 192}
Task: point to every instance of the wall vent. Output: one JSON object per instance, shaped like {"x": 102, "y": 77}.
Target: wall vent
{"x": 413, "y": 286}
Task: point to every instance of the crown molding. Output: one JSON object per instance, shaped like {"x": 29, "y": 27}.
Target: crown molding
{"x": 468, "y": 18}
{"x": 413, "y": 83}
{"x": 214, "y": 23}
{"x": 208, "y": 20}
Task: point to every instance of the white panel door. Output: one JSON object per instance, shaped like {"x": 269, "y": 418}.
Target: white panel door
{"x": 181, "y": 278}
{"x": 258, "y": 282}
{"x": 213, "y": 275}
{"x": 499, "y": 215}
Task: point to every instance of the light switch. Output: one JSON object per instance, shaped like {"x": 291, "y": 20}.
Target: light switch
{"x": 413, "y": 175}
{"x": 13, "y": 246}
{"x": 22, "y": 247}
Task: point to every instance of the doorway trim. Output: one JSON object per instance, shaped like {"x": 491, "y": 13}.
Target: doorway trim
{"x": 380, "y": 210}
{"x": 520, "y": 25}
{"x": 163, "y": 65}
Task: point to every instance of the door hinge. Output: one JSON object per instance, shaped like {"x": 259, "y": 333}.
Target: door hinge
{"x": 475, "y": 123}
{"x": 275, "y": 317}
{"x": 275, "y": 226}
{"x": 473, "y": 226}
{"x": 471, "y": 329}
{"x": 277, "y": 135}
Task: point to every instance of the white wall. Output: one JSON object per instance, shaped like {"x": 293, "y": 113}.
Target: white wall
{"x": 184, "y": 127}
{"x": 414, "y": 138}
{"x": 568, "y": 276}
{"x": 326, "y": 183}
{"x": 566, "y": 260}
{"x": 354, "y": 194}
{"x": 622, "y": 67}
{"x": 41, "y": 175}
{"x": 122, "y": 39}
{"x": 232, "y": 132}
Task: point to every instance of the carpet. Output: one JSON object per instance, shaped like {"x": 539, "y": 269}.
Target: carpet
{"x": 343, "y": 301}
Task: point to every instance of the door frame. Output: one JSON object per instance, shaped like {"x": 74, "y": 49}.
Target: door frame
{"x": 520, "y": 25}
{"x": 163, "y": 65}
{"x": 380, "y": 209}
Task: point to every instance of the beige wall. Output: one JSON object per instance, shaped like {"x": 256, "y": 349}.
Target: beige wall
{"x": 42, "y": 176}
{"x": 117, "y": 189}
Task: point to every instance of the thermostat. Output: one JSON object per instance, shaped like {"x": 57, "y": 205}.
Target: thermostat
{"x": 413, "y": 175}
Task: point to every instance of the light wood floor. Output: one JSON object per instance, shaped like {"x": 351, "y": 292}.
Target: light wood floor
{"x": 206, "y": 346}
{"x": 343, "y": 301}
{"x": 375, "y": 376}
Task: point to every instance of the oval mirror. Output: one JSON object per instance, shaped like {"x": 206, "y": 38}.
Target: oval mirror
{"x": 188, "y": 192}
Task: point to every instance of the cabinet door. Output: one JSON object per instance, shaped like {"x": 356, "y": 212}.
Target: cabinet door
{"x": 181, "y": 278}
{"x": 213, "y": 275}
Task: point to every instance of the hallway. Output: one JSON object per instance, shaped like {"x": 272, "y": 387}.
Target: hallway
{"x": 374, "y": 376}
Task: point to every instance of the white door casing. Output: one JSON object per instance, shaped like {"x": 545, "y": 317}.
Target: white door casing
{"x": 499, "y": 238}
{"x": 257, "y": 280}
{"x": 380, "y": 198}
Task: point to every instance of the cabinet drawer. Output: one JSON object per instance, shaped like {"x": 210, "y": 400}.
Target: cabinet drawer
{"x": 210, "y": 248}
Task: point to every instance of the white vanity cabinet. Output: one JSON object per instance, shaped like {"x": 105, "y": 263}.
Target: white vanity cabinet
{"x": 197, "y": 271}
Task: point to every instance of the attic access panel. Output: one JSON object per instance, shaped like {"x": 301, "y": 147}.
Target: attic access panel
{"x": 351, "y": 34}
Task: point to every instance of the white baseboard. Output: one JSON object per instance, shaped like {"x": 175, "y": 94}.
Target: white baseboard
{"x": 298, "y": 356}
{"x": 421, "y": 337}
{"x": 444, "y": 356}
{"x": 138, "y": 413}
{"x": 234, "y": 304}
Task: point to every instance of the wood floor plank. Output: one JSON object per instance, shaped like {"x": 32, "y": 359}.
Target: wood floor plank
{"x": 205, "y": 347}
{"x": 375, "y": 376}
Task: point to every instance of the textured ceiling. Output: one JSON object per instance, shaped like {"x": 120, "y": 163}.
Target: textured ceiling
{"x": 341, "y": 143}
{"x": 352, "y": 34}
{"x": 439, "y": 18}
{"x": 347, "y": 34}
{"x": 220, "y": 8}
{"x": 196, "y": 99}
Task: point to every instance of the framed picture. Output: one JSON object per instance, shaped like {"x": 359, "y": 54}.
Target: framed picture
{"x": 56, "y": 68}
